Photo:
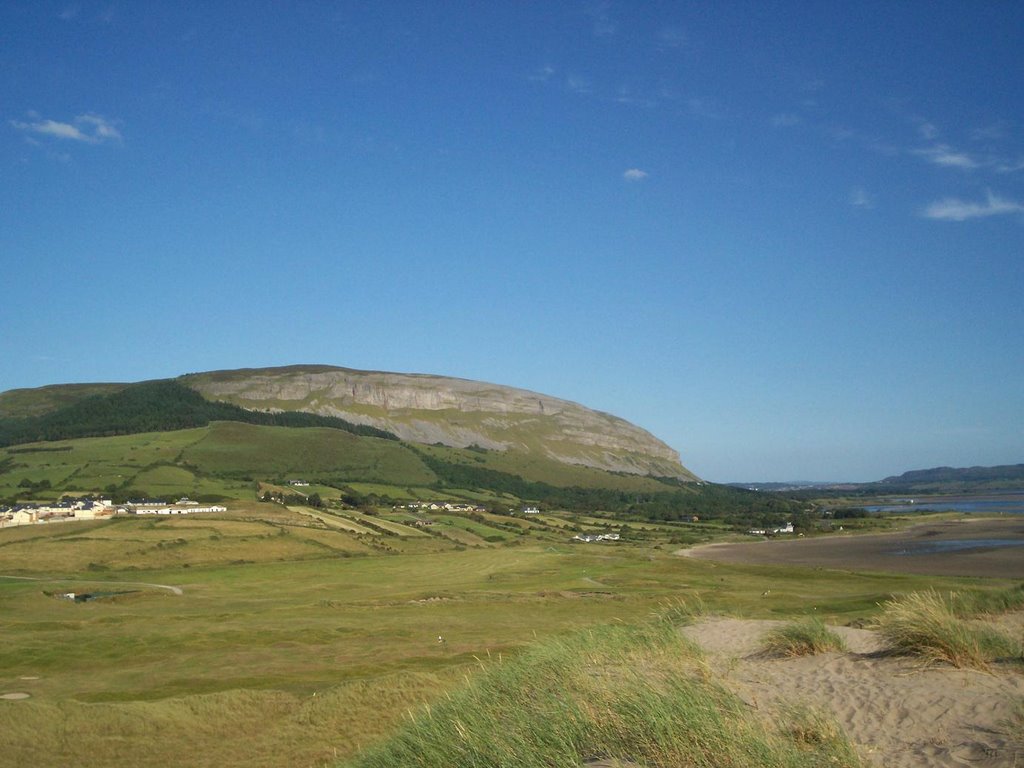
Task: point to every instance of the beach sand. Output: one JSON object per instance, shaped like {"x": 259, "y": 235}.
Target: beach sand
{"x": 903, "y": 551}
{"x": 899, "y": 712}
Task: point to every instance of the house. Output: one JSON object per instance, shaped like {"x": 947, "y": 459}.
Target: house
{"x": 25, "y": 515}
{"x": 531, "y": 511}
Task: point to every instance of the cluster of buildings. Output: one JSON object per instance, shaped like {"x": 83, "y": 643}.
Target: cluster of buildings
{"x": 183, "y": 506}
{"x": 441, "y": 506}
{"x": 66, "y": 509}
{"x": 787, "y": 528}
{"x": 587, "y": 537}
{"x": 87, "y": 508}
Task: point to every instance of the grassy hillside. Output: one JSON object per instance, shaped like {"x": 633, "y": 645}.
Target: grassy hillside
{"x": 423, "y": 409}
{"x": 27, "y": 403}
{"x": 290, "y": 644}
{"x": 150, "y": 407}
{"x": 229, "y": 460}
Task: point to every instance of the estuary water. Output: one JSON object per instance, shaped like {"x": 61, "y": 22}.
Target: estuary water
{"x": 996, "y": 503}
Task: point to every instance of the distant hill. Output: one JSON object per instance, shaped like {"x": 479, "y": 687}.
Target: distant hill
{"x": 416, "y": 408}
{"x": 429, "y": 409}
{"x": 169, "y": 438}
{"x": 22, "y": 403}
{"x": 1005, "y": 473}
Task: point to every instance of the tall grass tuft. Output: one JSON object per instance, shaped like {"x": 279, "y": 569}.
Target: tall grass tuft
{"x": 616, "y": 693}
{"x": 924, "y": 624}
{"x": 802, "y": 638}
{"x": 971, "y": 603}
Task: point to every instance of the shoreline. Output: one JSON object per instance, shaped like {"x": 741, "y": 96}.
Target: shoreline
{"x": 903, "y": 551}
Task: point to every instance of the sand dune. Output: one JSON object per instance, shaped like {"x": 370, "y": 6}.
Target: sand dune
{"x": 900, "y": 713}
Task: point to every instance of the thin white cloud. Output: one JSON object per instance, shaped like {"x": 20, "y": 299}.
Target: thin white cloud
{"x": 543, "y": 74}
{"x": 954, "y": 209}
{"x": 993, "y": 132}
{"x": 602, "y": 24}
{"x": 1010, "y": 166}
{"x": 859, "y": 198}
{"x": 88, "y": 128}
{"x": 578, "y": 84}
{"x": 927, "y": 131}
{"x": 635, "y": 174}
{"x": 786, "y": 120}
{"x": 673, "y": 37}
{"x": 942, "y": 154}
{"x": 102, "y": 129}
{"x": 698, "y": 107}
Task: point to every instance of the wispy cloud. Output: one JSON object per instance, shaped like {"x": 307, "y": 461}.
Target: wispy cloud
{"x": 927, "y": 130}
{"x": 993, "y": 132}
{"x": 89, "y": 128}
{"x": 786, "y": 120}
{"x": 635, "y": 174}
{"x": 942, "y": 154}
{"x": 954, "y": 209}
{"x": 1010, "y": 166}
{"x": 698, "y": 107}
{"x": 673, "y": 37}
{"x": 859, "y": 198}
{"x": 578, "y": 84}
{"x": 602, "y": 23}
{"x": 542, "y": 74}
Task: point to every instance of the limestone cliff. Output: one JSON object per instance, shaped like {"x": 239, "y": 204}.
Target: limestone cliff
{"x": 456, "y": 412}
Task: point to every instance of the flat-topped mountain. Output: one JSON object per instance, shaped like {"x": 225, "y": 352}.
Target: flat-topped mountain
{"x": 416, "y": 408}
{"x": 456, "y": 412}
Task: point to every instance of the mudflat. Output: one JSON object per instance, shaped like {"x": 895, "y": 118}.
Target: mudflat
{"x": 987, "y": 547}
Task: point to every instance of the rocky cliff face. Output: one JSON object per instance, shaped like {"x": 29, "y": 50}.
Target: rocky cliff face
{"x": 457, "y": 412}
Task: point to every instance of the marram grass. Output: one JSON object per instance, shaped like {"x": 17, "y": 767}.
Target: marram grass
{"x": 638, "y": 695}
{"x": 802, "y": 638}
{"x": 927, "y": 625}
{"x": 967, "y": 604}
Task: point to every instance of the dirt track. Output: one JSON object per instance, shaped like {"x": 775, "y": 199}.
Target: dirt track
{"x": 905, "y": 551}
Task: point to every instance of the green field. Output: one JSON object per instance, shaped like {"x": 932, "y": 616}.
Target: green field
{"x": 302, "y": 632}
{"x": 297, "y": 642}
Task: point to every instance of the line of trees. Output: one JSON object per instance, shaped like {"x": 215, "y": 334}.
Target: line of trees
{"x": 685, "y": 500}
{"x": 155, "y": 406}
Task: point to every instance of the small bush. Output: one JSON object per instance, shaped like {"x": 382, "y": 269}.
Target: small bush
{"x": 924, "y": 624}
{"x": 804, "y": 638}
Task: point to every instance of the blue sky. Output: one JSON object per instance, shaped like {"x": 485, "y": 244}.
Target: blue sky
{"x": 786, "y": 238}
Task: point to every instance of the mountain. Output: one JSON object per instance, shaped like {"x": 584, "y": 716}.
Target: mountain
{"x": 416, "y": 408}
{"x": 1011, "y": 473}
{"x": 429, "y": 409}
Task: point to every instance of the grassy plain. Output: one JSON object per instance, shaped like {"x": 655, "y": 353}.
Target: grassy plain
{"x": 294, "y": 642}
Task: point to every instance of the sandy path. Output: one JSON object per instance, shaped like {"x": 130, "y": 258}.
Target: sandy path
{"x": 899, "y": 713}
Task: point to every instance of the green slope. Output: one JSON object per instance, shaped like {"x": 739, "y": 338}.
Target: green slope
{"x": 151, "y": 406}
{"x": 26, "y": 403}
